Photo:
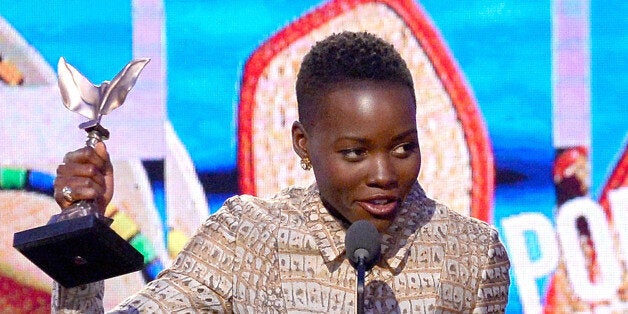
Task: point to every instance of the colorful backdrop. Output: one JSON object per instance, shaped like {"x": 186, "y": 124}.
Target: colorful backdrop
{"x": 547, "y": 79}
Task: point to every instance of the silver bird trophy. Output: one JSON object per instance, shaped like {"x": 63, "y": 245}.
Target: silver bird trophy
{"x": 77, "y": 246}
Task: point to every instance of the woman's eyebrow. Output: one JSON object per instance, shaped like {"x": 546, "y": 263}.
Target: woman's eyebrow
{"x": 404, "y": 134}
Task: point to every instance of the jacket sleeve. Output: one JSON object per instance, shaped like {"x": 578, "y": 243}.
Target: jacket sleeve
{"x": 82, "y": 299}
{"x": 492, "y": 294}
{"x": 199, "y": 280}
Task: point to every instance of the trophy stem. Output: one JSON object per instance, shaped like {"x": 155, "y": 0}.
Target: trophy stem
{"x": 95, "y": 133}
{"x": 80, "y": 209}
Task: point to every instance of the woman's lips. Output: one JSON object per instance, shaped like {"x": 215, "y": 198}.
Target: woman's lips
{"x": 379, "y": 207}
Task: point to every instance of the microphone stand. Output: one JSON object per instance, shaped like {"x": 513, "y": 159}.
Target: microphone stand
{"x": 362, "y": 244}
{"x": 361, "y": 274}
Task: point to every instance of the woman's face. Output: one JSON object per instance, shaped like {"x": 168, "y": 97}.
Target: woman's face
{"x": 364, "y": 149}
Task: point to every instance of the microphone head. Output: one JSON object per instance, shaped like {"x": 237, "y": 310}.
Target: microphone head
{"x": 362, "y": 241}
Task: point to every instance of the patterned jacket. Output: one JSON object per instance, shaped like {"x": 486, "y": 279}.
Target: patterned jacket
{"x": 286, "y": 254}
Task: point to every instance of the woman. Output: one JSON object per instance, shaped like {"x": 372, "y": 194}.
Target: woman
{"x": 357, "y": 132}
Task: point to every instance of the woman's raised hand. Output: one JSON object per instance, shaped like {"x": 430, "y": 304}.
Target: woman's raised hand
{"x": 85, "y": 174}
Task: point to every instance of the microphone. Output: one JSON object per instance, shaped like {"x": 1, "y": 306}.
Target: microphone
{"x": 362, "y": 244}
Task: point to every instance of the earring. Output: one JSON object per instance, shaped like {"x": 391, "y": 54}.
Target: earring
{"x": 306, "y": 164}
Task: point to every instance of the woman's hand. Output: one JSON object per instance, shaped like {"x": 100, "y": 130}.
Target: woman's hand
{"x": 88, "y": 174}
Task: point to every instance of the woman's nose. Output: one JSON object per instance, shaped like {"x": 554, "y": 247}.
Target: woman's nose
{"x": 382, "y": 173}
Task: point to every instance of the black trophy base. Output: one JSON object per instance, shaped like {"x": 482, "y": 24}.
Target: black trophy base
{"x": 78, "y": 251}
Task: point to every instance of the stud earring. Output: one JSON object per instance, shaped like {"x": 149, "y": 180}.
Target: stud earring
{"x": 306, "y": 164}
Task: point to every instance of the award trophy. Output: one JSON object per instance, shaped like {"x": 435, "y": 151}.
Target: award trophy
{"x": 77, "y": 246}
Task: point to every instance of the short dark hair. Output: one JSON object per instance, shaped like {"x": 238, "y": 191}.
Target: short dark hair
{"x": 347, "y": 57}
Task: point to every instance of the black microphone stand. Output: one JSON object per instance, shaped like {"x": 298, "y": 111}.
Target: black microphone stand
{"x": 362, "y": 244}
{"x": 361, "y": 267}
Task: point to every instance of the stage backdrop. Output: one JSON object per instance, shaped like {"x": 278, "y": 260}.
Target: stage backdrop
{"x": 532, "y": 94}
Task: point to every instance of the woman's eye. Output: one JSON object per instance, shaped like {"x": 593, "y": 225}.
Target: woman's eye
{"x": 405, "y": 150}
{"x": 353, "y": 154}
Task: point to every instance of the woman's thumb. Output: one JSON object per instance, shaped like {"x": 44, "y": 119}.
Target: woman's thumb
{"x": 101, "y": 150}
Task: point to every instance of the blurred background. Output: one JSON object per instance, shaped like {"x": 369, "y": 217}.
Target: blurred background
{"x": 508, "y": 53}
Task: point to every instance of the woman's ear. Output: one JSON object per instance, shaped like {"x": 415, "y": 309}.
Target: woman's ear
{"x": 299, "y": 139}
